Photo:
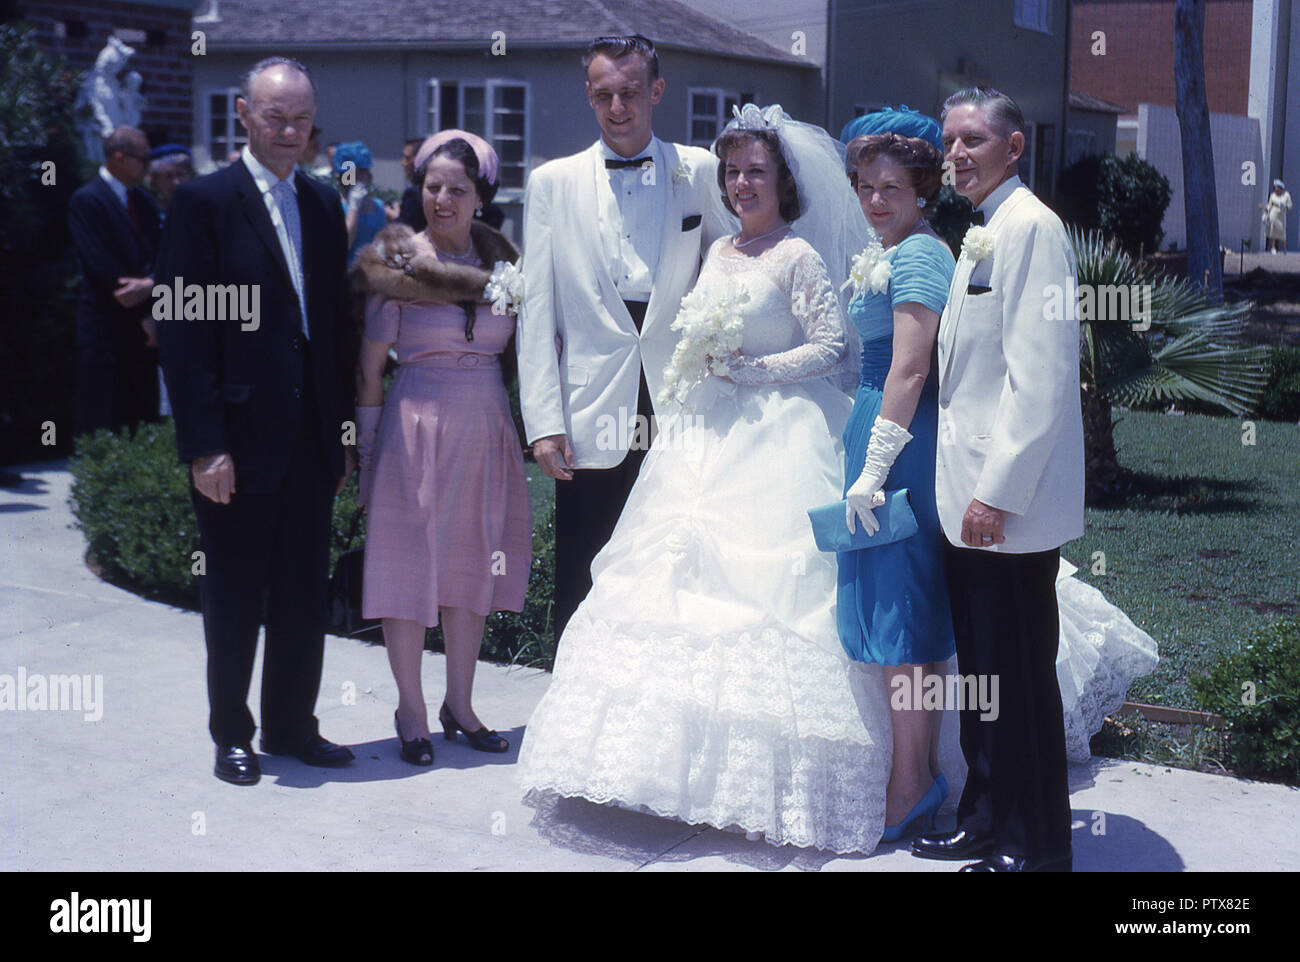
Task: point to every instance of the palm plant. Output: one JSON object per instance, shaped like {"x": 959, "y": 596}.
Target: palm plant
{"x": 1190, "y": 352}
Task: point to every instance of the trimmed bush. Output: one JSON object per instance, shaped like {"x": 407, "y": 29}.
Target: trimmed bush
{"x": 1125, "y": 199}
{"x": 950, "y": 216}
{"x": 1281, "y": 399}
{"x": 1257, "y": 690}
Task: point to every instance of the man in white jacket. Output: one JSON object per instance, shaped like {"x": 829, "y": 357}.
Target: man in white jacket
{"x": 612, "y": 238}
{"x": 1009, "y": 487}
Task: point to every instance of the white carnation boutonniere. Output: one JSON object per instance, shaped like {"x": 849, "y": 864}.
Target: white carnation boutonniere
{"x": 871, "y": 270}
{"x": 505, "y": 289}
{"x": 977, "y": 244}
{"x": 710, "y": 329}
{"x": 682, "y": 175}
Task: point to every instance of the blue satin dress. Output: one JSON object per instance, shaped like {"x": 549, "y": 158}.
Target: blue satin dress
{"x": 893, "y": 600}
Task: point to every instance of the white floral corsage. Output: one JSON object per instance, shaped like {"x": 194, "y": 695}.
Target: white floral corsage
{"x": 505, "y": 288}
{"x": 978, "y": 243}
{"x": 710, "y": 328}
{"x": 681, "y": 175}
{"x": 871, "y": 270}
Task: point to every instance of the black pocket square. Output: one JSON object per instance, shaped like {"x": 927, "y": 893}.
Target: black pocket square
{"x": 691, "y": 222}
{"x": 977, "y": 289}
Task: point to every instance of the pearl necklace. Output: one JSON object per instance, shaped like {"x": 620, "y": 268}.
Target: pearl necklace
{"x": 450, "y": 256}
{"x": 738, "y": 243}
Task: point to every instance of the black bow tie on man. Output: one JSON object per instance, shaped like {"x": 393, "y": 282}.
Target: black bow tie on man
{"x": 612, "y": 164}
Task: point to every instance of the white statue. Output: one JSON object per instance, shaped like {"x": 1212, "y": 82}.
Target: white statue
{"x": 131, "y": 103}
{"x": 101, "y": 92}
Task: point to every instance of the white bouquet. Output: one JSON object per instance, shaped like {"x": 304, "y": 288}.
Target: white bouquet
{"x": 710, "y": 329}
{"x": 871, "y": 269}
{"x": 505, "y": 289}
{"x": 978, "y": 243}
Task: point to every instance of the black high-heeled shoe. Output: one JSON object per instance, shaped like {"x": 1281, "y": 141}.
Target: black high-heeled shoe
{"x": 482, "y": 740}
{"x": 418, "y": 751}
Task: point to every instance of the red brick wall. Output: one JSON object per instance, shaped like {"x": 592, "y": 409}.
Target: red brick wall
{"x": 166, "y": 66}
{"x": 1138, "y": 66}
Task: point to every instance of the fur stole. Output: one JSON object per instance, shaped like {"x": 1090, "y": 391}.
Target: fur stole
{"x": 422, "y": 278}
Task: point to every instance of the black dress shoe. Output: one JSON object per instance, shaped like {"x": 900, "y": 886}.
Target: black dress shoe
{"x": 483, "y": 740}
{"x": 952, "y": 846}
{"x": 315, "y": 751}
{"x": 237, "y": 764}
{"x": 1019, "y": 863}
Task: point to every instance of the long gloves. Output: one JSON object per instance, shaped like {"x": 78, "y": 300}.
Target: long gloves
{"x": 367, "y": 428}
{"x": 887, "y": 440}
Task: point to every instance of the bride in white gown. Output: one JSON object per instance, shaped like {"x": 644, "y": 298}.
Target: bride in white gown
{"x": 702, "y": 678}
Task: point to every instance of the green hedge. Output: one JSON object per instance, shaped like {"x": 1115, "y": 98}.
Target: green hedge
{"x": 130, "y": 498}
{"x": 1257, "y": 690}
{"x": 1126, "y": 199}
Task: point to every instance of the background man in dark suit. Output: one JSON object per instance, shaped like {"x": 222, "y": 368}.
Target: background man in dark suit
{"x": 115, "y": 228}
{"x": 260, "y": 406}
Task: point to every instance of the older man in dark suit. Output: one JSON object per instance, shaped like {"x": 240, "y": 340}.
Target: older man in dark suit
{"x": 262, "y": 397}
{"x": 115, "y": 227}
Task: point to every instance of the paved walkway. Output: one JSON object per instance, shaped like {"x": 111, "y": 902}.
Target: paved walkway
{"x": 134, "y": 791}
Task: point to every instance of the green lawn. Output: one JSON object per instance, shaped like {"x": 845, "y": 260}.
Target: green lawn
{"x": 1208, "y": 551}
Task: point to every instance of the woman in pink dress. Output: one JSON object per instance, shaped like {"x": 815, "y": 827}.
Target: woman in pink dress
{"x": 449, "y": 529}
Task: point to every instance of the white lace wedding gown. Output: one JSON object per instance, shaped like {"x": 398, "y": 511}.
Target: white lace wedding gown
{"x": 702, "y": 678}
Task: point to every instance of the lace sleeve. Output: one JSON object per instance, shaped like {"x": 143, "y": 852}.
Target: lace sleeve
{"x": 817, "y": 309}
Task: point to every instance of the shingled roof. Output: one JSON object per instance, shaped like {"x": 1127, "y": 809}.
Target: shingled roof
{"x": 414, "y": 24}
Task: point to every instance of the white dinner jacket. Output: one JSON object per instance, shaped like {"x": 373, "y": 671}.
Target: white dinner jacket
{"x": 580, "y": 355}
{"x": 1010, "y": 424}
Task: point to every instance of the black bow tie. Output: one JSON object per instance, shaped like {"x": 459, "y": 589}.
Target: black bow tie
{"x": 977, "y": 217}
{"x": 612, "y": 164}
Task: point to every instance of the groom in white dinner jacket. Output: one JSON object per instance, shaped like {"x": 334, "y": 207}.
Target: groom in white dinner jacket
{"x": 1009, "y": 487}
{"x": 612, "y": 239}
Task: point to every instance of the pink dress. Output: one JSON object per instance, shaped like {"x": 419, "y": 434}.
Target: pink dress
{"x": 449, "y": 521}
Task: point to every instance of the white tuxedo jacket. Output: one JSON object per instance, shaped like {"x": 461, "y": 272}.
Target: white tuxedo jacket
{"x": 1010, "y": 424}
{"x": 580, "y": 356}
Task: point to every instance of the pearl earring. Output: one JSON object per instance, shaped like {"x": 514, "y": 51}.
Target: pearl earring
{"x": 920, "y": 202}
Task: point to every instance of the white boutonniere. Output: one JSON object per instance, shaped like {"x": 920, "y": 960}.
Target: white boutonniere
{"x": 710, "y": 328}
{"x": 978, "y": 243}
{"x": 871, "y": 270}
{"x": 505, "y": 289}
{"x": 681, "y": 175}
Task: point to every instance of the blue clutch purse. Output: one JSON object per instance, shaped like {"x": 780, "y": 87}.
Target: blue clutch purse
{"x": 895, "y": 516}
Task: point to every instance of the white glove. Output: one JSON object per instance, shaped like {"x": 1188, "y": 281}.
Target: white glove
{"x": 887, "y": 440}
{"x": 356, "y": 195}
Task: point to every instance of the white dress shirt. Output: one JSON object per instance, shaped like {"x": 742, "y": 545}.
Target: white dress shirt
{"x": 266, "y": 182}
{"x": 631, "y": 215}
{"x": 118, "y": 188}
{"x": 999, "y": 193}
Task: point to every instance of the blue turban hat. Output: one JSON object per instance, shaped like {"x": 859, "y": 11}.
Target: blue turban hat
{"x": 355, "y": 151}
{"x": 903, "y": 121}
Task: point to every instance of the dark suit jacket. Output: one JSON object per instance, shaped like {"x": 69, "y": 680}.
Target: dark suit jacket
{"x": 117, "y": 374}
{"x": 241, "y": 390}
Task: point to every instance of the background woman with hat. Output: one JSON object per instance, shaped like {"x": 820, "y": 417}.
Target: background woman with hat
{"x": 365, "y": 214}
{"x": 449, "y": 530}
{"x": 1279, "y": 202}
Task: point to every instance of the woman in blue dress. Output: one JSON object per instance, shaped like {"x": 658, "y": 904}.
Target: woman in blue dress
{"x": 892, "y": 600}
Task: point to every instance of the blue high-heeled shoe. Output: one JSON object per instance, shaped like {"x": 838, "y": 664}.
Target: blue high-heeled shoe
{"x": 925, "y": 808}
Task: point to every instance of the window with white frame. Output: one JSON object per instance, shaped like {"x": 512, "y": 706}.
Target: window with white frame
{"x": 707, "y": 111}
{"x": 496, "y": 110}
{"x": 1033, "y": 15}
{"x": 225, "y": 133}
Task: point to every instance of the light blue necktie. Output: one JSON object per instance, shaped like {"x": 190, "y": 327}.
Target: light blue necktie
{"x": 287, "y": 201}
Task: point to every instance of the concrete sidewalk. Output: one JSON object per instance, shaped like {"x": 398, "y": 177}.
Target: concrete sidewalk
{"x": 134, "y": 791}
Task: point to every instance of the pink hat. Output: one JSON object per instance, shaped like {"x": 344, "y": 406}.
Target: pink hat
{"x": 487, "y": 157}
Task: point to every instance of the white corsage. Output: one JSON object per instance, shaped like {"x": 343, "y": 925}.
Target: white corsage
{"x": 505, "y": 289}
{"x": 978, "y": 243}
{"x": 708, "y": 328}
{"x": 681, "y": 175}
{"x": 871, "y": 270}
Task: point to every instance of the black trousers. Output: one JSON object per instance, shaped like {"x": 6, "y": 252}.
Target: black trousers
{"x": 267, "y": 559}
{"x": 1006, "y": 624}
{"x": 116, "y": 388}
{"x": 587, "y": 508}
